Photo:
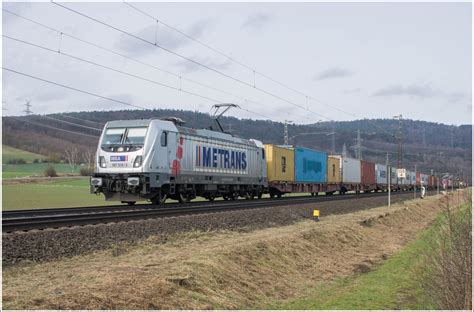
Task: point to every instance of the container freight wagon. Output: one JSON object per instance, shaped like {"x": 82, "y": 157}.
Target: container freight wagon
{"x": 280, "y": 163}
{"x": 424, "y": 179}
{"x": 334, "y": 171}
{"x": 381, "y": 176}
{"x": 410, "y": 179}
{"x": 418, "y": 179}
{"x": 310, "y": 166}
{"x": 368, "y": 179}
{"x": 350, "y": 173}
{"x": 393, "y": 179}
{"x": 404, "y": 183}
{"x": 297, "y": 170}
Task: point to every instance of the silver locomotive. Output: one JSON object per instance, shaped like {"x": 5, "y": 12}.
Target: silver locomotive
{"x": 159, "y": 159}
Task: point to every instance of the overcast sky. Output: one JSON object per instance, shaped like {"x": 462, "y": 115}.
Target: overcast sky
{"x": 371, "y": 60}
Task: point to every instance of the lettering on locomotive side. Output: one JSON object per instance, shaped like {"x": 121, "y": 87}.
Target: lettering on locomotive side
{"x": 215, "y": 157}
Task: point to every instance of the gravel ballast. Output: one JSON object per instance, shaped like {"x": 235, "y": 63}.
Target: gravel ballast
{"x": 45, "y": 245}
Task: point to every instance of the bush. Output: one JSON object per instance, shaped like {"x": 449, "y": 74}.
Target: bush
{"x": 54, "y": 159}
{"x": 36, "y": 160}
{"x": 86, "y": 171}
{"x": 16, "y": 161}
{"x": 50, "y": 172}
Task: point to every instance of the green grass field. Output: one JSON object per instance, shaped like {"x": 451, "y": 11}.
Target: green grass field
{"x": 9, "y": 153}
{"x": 393, "y": 285}
{"x": 71, "y": 193}
{"x": 26, "y": 170}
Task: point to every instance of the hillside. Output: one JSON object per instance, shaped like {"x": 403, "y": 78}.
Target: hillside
{"x": 10, "y": 154}
{"x": 436, "y": 146}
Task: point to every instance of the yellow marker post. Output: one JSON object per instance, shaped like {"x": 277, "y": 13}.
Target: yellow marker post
{"x": 316, "y": 214}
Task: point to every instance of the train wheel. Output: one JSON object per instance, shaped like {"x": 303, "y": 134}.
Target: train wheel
{"x": 279, "y": 195}
{"x": 183, "y": 198}
{"x": 159, "y": 199}
{"x": 130, "y": 203}
{"x": 249, "y": 195}
{"x": 259, "y": 195}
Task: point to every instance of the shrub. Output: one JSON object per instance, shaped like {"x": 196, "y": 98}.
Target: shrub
{"x": 86, "y": 171}
{"x": 36, "y": 160}
{"x": 50, "y": 172}
{"x": 54, "y": 159}
{"x": 16, "y": 161}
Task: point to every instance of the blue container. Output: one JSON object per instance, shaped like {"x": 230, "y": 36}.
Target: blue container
{"x": 310, "y": 166}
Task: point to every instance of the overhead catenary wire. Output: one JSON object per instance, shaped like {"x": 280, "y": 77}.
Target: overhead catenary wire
{"x": 189, "y": 59}
{"x": 81, "y": 119}
{"x": 250, "y": 68}
{"x": 62, "y": 33}
{"x": 53, "y": 128}
{"x": 70, "y": 123}
{"x": 113, "y": 69}
{"x": 215, "y": 101}
{"x": 130, "y": 58}
{"x": 73, "y": 88}
{"x": 83, "y": 91}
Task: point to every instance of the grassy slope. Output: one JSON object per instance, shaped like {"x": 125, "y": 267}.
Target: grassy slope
{"x": 9, "y": 153}
{"x": 393, "y": 285}
{"x": 49, "y": 195}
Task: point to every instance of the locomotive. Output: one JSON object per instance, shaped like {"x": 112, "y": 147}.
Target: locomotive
{"x": 158, "y": 159}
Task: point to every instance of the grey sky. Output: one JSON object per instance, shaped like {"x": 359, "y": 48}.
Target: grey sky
{"x": 374, "y": 60}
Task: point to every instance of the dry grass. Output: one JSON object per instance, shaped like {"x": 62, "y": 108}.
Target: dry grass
{"x": 220, "y": 270}
{"x": 448, "y": 279}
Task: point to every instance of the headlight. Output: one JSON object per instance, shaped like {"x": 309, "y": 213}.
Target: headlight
{"x": 137, "y": 162}
{"x": 102, "y": 162}
{"x": 96, "y": 181}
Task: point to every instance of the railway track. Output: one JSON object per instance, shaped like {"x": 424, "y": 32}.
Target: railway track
{"x": 39, "y": 219}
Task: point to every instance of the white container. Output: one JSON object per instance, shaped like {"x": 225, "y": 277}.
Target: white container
{"x": 381, "y": 173}
{"x": 350, "y": 169}
{"x": 393, "y": 177}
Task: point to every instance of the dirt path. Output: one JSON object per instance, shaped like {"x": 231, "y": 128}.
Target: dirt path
{"x": 221, "y": 270}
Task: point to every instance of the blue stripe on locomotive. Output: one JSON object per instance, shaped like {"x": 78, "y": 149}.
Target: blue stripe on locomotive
{"x": 310, "y": 165}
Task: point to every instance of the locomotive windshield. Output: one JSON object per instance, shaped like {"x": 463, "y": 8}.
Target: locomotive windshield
{"x": 123, "y": 139}
{"x": 113, "y": 136}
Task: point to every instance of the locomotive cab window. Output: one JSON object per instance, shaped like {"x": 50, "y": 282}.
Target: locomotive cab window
{"x": 113, "y": 136}
{"x": 135, "y": 135}
{"x": 119, "y": 140}
{"x": 164, "y": 138}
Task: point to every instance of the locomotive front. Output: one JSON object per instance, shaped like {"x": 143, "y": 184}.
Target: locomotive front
{"x": 125, "y": 148}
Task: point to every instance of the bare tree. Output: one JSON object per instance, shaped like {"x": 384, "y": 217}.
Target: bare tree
{"x": 88, "y": 155}
{"x": 72, "y": 154}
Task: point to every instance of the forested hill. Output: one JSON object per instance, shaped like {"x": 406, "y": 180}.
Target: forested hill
{"x": 441, "y": 147}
